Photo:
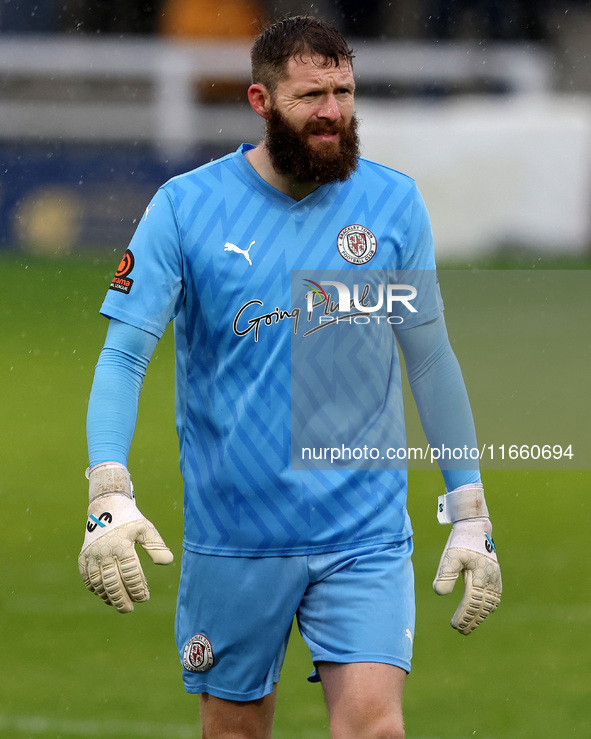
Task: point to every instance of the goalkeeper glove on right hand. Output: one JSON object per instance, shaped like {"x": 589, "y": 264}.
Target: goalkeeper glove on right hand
{"x": 471, "y": 551}
{"x": 108, "y": 562}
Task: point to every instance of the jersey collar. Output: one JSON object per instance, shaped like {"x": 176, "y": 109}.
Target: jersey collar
{"x": 248, "y": 172}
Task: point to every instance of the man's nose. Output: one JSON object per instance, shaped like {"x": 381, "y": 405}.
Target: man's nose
{"x": 329, "y": 108}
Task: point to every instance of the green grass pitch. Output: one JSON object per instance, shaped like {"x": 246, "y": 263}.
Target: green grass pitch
{"x": 72, "y": 667}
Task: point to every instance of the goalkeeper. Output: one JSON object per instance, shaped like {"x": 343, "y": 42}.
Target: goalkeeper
{"x": 214, "y": 252}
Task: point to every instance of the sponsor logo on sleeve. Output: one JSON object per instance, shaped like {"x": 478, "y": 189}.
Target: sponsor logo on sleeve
{"x": 121, "y": 282}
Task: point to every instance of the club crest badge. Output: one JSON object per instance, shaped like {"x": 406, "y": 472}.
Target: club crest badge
{"x": 357, "y": 244}
{"x": 198, "y": 654}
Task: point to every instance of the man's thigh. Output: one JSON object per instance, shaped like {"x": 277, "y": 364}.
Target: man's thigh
{"x": 360, "y": 607}
{"x": 364, "y": 699}
{"x": 224, "y": 718}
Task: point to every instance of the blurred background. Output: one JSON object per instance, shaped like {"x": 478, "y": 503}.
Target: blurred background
{"x": 487, "y": 104}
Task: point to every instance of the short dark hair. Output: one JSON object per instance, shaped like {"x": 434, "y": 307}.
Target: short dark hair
{"x": 295, "y": 36}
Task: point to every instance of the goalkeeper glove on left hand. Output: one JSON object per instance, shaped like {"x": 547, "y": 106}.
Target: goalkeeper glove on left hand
{"x": 108, "y": 562}
{"x": 470, "y": 550}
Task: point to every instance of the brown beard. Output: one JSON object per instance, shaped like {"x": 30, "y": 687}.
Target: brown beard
{"x": 292, "y": 155}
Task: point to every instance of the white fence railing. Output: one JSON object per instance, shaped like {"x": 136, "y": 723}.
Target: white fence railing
{"x": 41, "y": 79}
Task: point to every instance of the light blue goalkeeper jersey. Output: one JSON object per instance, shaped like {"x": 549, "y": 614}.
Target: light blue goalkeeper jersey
{"x": 216, "y": 250}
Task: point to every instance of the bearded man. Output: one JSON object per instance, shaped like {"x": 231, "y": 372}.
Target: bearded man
{"x": 267, "y": 540}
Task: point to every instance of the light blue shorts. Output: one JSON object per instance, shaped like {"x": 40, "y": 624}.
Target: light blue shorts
{"x": 234, "y": 614}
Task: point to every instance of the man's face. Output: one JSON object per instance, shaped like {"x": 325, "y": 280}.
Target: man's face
{"x": 311, "y": 130}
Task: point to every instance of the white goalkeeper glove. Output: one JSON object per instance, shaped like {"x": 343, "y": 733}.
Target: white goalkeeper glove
{"x": 470, "y": 550}
{"x": 108, "y": 562}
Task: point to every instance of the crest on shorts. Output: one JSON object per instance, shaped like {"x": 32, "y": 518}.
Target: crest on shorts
{"x": 356, "y": 244}
{"x": 198, "y": 654}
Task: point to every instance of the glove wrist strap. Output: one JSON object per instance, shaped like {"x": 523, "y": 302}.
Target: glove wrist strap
{"x": 463, "y": 503}
{"x": 109, "y": 478}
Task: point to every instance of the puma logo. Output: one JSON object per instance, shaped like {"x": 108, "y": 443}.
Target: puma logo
{"x": 245, "y": 252}
{"x": 147, "y": 211}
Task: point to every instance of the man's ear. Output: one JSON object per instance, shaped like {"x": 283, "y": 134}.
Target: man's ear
{"x": 259, "y": 99}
